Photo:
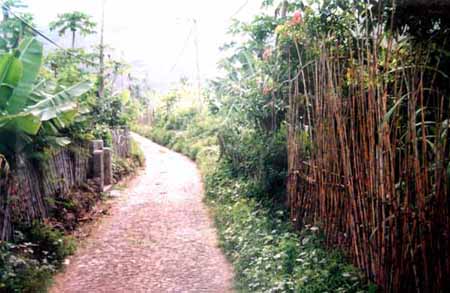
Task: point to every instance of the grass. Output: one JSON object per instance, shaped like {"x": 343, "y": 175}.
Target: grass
{"x": 268, "y": 256}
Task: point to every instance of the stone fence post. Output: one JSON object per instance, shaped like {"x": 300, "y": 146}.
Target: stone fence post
{"x": 107, "y": 166}
{"x": 97, "y": 164}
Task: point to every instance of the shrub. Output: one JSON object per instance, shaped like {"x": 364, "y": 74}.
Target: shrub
{"x": 137, "y": 155}
{"x": 51, "y": 244}
{"x": 28, "y": 264}
{"x": 103, "y": 132}
{"x": 19, "y": 272}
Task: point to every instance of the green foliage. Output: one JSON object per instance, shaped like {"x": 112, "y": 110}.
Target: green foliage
{"x": 19, "y": 272}
{"x": 185, "y": 130}
{"x": 74, "y": 22}
{"x": 70, "y": 66}
{"x": 267, "y": 255}
{"x": 137, "y": 155}
{"x": 13, "y": 30}
{"x": 125, "y": 167}
{"x": 117, "y": 109}
{"x": 181, "y": 119}
{"x": 103, "y": 132}
{"x": 51, "y": 244}
{"x": 28, "y": 106}
{"x": 259, "y": 156}
{"x": 28, "y": 263}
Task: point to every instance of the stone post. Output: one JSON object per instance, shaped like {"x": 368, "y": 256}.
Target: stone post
{"x": 107, "y": 166}
{"x": 94, "y": 145}
{"x": 98, "y": 170}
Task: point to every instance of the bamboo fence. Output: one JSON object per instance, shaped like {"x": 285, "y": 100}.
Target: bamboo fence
{"x": 374, "y": 175}
{"x": 25, "y": 191}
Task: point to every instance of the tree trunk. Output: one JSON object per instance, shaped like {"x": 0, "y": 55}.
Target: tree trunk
{"x": 284, "y": 8}
{"x": 73, "y": 39}
{"x": 101, "y": 76}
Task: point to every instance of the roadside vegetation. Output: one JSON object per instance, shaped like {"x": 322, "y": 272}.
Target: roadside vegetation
{"x": 268, "y": 255}
{"x": 304, "y": 142}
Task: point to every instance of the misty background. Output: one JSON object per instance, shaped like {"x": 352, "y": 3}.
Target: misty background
{"x": 156, "y": 37}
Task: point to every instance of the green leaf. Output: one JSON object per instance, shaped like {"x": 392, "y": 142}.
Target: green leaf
{"x": 54, "y": 105}
{"x": 387, "y": 117}
{"x": 3, "y": 46}
{"x": 58, "y": 141}
{"x": 31, "y": 56}
{"x": 25, "y": 122}
{"x": 11, "y": 70}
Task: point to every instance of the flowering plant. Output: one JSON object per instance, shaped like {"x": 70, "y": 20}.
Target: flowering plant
{"x": 292, "y": 29}
{"x": 296, "y": 18}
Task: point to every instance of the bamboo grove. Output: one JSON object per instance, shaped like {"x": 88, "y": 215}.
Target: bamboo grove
{"x": 369, "y": 145}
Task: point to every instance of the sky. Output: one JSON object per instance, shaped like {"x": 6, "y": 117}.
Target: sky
{"x": 151, "y": 35}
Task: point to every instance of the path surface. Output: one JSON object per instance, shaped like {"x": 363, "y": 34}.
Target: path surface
{"x": 158, "y": 238}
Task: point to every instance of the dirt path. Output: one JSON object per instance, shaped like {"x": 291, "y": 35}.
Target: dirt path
{"x": 158, "y": 238}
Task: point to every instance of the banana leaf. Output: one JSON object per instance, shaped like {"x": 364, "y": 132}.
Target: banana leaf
{"x": 11, "y": 70}
{"x": 25, "y": 122}
{"x": 54, "y": 105}
{"x": 30, "y": 54}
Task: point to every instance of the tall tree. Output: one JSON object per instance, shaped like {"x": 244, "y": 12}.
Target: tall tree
{"x": 74, "y": 22}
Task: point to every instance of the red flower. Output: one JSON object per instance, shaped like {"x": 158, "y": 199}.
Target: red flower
{"x": 297, "y": 18}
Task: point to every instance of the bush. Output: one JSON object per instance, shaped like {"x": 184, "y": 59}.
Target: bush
{"x": 19, "y": 272}
{"x": 261, "y": 157}
{"x": 123, "y": 167}
{"x": 103, "y": 132}
{"x": 28, "y": 264}
{"x": 181, "y": 119}
{"x": 51, "y": 244}
{"x": 137, "y": 155}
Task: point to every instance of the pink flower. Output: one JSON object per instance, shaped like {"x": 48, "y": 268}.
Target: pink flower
{"x": 297, "y": 18}
{"x": 267, "y": 54}
{"x": 266, "y": 90}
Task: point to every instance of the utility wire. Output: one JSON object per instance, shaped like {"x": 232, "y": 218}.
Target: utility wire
{"x": 44, "y": 36}
{"x": 240, "y": 9}
{"x": 192, "y": 30}
{"x": 186, "y": 42}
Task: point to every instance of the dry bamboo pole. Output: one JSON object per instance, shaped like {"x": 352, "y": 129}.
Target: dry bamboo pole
{"x": 387, "y": 167}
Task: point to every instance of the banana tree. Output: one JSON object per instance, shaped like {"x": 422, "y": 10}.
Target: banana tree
{"x": 25, "y": 105}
